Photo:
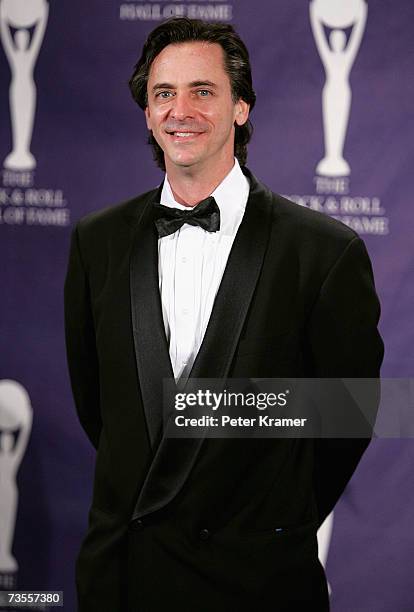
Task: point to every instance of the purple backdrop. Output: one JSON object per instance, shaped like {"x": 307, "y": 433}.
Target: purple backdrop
{"x": 89, "y": 142}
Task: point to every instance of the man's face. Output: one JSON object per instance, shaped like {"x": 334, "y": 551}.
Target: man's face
{"x": 190, "y": 108}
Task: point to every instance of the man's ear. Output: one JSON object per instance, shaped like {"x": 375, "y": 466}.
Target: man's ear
{"x": 147, "y": 117}
{"x": 242, "y": 112}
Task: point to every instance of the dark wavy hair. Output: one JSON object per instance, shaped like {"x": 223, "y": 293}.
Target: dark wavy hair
{"x": 236, "y": 65}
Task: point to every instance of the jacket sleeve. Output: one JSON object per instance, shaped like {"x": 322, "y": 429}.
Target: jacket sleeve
{"x": 81, "y": 343}
{"x": 344, "y": 343}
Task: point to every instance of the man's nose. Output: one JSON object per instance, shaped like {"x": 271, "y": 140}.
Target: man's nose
{"x": 181, "y": 106}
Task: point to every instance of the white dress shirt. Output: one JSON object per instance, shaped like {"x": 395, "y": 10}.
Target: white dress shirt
{"x": 191, "y": 263}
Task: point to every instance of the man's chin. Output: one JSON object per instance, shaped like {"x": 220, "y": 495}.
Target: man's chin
{"x": 182, "y": 161}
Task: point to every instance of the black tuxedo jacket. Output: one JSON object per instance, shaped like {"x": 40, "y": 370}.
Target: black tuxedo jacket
{"x": 191, "y": 523}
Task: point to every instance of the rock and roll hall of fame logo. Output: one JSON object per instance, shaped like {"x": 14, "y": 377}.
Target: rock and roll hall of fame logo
{"x": 23, "y": 25}
{"x": 337, "y": 28}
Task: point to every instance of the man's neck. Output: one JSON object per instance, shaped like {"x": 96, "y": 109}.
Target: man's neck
{"x": 190, "y": 186}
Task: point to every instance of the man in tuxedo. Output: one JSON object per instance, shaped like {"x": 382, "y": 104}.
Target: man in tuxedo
{"x": 211, "y": 275}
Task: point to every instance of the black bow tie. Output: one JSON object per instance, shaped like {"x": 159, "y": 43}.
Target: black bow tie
{"x": 206, "y": 214}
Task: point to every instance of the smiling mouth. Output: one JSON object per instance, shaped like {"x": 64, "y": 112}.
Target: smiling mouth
{"x": 184, "y": 135}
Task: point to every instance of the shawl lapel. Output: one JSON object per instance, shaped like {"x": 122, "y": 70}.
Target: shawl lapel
{"x": 150, "y": 343}
{"x": 174, "y": 458}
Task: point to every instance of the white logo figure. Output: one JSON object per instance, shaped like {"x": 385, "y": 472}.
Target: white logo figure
{"x": 337, "y": 57}
{"x": 22, "y": 52}
{"x": 324, "y": 541}
{"x": 15, "y": 417}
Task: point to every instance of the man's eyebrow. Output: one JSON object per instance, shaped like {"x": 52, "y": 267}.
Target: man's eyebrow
{"x": 162, "y": 86}
{"x": 202, "y": 84}
{"x": 205, "y": 83}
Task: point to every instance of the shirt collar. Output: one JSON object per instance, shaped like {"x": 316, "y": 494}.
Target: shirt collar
{"x": 231, "y": 197}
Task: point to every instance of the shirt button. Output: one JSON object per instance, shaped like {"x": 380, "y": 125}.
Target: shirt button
{"x": 204, "y": 534}
{"x": 138, "y": 525}
{"x": 184, "y": 259}
{"x": 185, "y": 311}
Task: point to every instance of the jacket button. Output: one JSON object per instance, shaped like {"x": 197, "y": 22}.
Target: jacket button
{"x": 137, "y": 525}
{"x": 204, "y": 534}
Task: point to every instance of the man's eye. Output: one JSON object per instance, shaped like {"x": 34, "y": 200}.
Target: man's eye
{"x": 204, "y": 93}
{"x": 163, "y": 94}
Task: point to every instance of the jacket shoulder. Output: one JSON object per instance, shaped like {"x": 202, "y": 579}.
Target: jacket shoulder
{"x": 128, "y": 211}
{"x": 110, "y": 225}
{"x": 308, "y": 224}
{"x": 302, "y": 227}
